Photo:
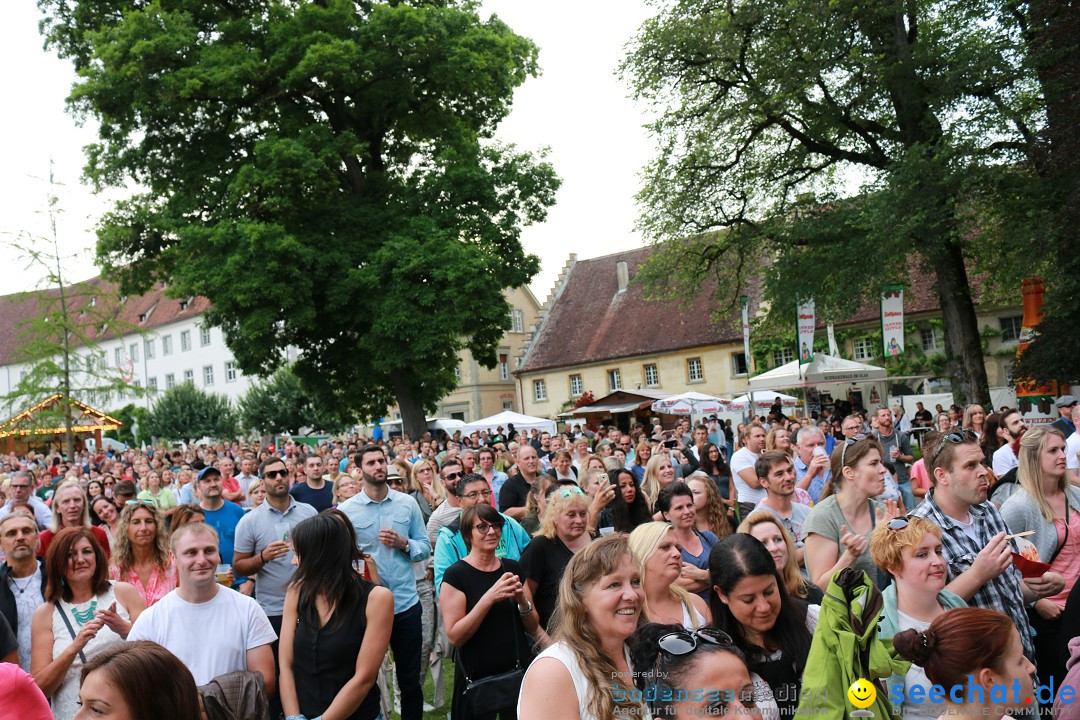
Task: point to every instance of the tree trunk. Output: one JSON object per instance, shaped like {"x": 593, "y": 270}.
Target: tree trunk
{"x": 963, "y": 343}
{"x": 413, "y": 417}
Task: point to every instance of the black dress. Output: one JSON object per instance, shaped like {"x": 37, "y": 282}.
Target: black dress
{"x": 490, "y": 651}
{"x": 324, "y": 659}
{"x": 544, "y": 560}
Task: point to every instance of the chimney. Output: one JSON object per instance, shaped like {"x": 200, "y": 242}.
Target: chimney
{"x": 623, "y": 273}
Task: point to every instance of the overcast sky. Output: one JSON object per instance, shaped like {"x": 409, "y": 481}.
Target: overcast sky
{"x": 577, "y": 107}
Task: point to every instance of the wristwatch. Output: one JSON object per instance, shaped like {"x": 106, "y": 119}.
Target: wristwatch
{"x": 528, "y": 608}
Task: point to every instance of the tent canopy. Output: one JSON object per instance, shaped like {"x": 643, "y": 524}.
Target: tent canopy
{"x": 823, "y": 370}
{"x": 507, "y": 418}
{"x": 437, "y": 423}
{"x": 689, "y": 403}
{"x": 764, "y": 399}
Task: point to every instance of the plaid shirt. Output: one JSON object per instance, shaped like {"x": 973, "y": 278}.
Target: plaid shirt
{"x": 1003, "y": 593}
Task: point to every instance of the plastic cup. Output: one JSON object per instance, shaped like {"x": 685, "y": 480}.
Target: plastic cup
{"x": 222, "y": 574}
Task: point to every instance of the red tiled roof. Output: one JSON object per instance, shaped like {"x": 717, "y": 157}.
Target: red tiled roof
{"x": 120, "y": 318}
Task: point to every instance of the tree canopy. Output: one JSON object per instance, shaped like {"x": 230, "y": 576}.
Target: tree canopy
{"x": 325, "y": 173}
{"x": 834, "y": 148}
{"x": 279, "y": 404}
{"x": 184, "y": 412}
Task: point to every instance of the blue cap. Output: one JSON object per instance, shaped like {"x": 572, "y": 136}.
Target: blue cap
{"x": 208, "y": 469}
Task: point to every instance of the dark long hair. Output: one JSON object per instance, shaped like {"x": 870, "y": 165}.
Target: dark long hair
{"x": 624, "y": 518}
{"x": 990, "y": 441}
{"x": 709, "y": 467}
{"x": 739, "y": 556}
{"x": 152, "y": 680}
{"x": 326, "y": 546}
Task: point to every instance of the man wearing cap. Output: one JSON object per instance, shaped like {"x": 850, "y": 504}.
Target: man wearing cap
{"x": 223, "y": 516}
{"x": 1064, "y": 423}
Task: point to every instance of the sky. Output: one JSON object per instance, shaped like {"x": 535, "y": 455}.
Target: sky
{"x": 577, "y": 107}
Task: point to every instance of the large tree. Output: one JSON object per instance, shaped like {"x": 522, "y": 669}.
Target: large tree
{"x": 186, "y": 413}
{"x": 828, "y": 145}
{"x": 324, "y": 172}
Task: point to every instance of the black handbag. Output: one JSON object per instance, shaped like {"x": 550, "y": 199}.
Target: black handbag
{"x": 495, "y": 692}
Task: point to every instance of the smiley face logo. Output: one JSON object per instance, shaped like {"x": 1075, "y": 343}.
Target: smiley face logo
{"x": 862, "y": 693}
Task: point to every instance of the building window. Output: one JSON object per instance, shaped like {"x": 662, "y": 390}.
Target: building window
{"x": 652, "y": 375}
{"x": 118, "y": 355}
{"x": 185, "y": 304}
{"x": 738, "y": 365}
{"x": 23, "y": 374}
{"x": 517, "y": 321}
{"x": 782, "y": 357}
{"x": 150, "y": 349}
{"x": 208, "y": 375}
{"x": 539, "y": 390}
{"x": 204, "y": 336}
{"x": 457, "y": 371}
{"x": 1010, "y": 327}
{"x": 170, "y": 381}
{"x": 695, "y": 371}
{"x": 931, "y": 339}
{"x": 863, "y": 348}
{"x": 103, "y": 361}
{"x": 166, "y": 345}
{"x": 504, "y": 366}
{"x": 89, "y": 361}
{"x": 230, "y": 371}
{"x": 133, "y": 351}
{"x": 577, "y": 387}
{"x": 614, "y": 379}
{"x": 185, "y": 341}
{"x": 151, "y": 384}
{"x": 189, "y": 376}
{"x": 508, "y": 405}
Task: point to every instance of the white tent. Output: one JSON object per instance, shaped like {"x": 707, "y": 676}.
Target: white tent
{"x": 507, "y": 418}
{"x": 764, "y": 399}
{"x": 446, "y": 424}
{"x": 823, "y": 370}
{"x": 690, "y": 403}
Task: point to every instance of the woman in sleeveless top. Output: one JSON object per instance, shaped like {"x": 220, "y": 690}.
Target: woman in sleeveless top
{"x": 84, "y": 612}
{"x": 336, "y": 625}
{"x": 657, "y": 549}
{"x": 586, "y": 673}
{"x": 141, "y": 553}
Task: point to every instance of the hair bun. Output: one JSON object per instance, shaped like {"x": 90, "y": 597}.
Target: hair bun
{"x": 915, "y": 646}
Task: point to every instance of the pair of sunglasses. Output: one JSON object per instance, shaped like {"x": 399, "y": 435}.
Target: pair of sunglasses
{"x": 956, "y": 437}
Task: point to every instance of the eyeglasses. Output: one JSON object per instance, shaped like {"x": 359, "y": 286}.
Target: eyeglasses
{"x": 271, "y": 474}
{"x": 451, "y": 476}
{"x": 478, "y": 494}
{"x": 108, "y": 483}
{"x": 568, "y": 491}
{"x": 485, "y": 528}
{"x": 848, "y": 443}
{"x": 956, "y": 437}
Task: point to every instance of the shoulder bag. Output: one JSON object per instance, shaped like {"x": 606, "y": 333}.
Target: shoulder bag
{"x": 495, "y": 692}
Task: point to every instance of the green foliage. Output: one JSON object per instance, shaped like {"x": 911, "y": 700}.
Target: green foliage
{"x": 184, "y": 412}
{"x": 279, "y": 404}
{"x": 769, "y": 110}
{"x": 132, "y": 416}
{"x": 325, "y": 173}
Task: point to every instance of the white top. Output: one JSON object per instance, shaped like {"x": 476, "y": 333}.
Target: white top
{"x": 741, "y": 460}
{"x": 566, "y": 656}
{"x": 1004, "y": 460}
{"x": 211, "y": 638}
{"x": 916, "y": 676}
{"x": 27, "y": 594}
{"x": 691, "y": 622}
{"x": 1072, "y": 446}
{"x": 64, "y": 701}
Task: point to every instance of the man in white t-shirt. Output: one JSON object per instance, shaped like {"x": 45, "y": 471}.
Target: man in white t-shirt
{"x": 1072, "y": 447}
{"x": 1004, "y": 458}
{"x": 214, "y": 630}
{"x": 743, "y": 474}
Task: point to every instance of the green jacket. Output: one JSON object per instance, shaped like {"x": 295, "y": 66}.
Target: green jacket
{"x": 846, "y": 648}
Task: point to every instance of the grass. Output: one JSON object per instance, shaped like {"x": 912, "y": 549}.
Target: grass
{"x": 429, "y": 692}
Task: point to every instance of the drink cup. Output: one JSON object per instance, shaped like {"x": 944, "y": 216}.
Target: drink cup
{"x": 282, "y": 531}
{"x": 222, "y": 574}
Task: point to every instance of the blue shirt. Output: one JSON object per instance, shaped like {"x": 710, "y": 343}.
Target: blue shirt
{"x": 450, "y": 546}
{"x": 224, "y": 520}
{"x": 817, "y": 484}
{"x": 400, "y": 513}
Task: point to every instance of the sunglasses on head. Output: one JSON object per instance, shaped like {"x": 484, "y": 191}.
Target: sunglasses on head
{"x": 140, "y": 502}
{"x": 899, "y": 523}
{"x": 848, "y": 443}
{"x": 956, "y": 437}
{"x": 573, "y": 490}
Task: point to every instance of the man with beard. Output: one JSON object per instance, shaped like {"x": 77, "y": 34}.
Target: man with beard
{"x": 896, "y": 449}
{"x": 22, "y": 578}
{"x": 777, "y": 475}
{"x": 449, "y": 510}
{"x": 390, "y": 528}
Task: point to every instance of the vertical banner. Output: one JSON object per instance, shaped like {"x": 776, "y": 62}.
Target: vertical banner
{"x": 892, "y": 320}
{"x": 746, "y": 329}
{"x": 806, "y": 332}
{"x": 1035, "y": 402}
{"x": 834, "y": 350}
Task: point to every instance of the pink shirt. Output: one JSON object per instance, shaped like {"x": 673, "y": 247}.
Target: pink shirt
{"x": 20, "y": 697}
{"x": 1067, "y": 561}
{"x": 158, "y": 586}
{"x": 919, "y": 475}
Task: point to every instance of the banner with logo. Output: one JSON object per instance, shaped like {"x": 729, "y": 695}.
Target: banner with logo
{"x": 806, "y": 324}
{"x": 892, "y": 320}
{"x": 834, "y": 349}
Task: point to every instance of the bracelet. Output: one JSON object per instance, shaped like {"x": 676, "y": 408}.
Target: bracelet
{"x": 263, "y": 561}
{"x": 296, "y": 717}
{"x": 528, "y": 608}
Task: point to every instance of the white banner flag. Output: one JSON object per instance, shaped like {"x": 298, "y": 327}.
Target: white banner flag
{"x": 806, "y": 332}
{"x": 746, "y": 329}
{"x": 834, "y": 350}
{"x": 892, "y": 320}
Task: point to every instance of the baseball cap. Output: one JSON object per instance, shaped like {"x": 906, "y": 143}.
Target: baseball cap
{"x": 208, "y": 469}
{"x": 1065, "y": 401}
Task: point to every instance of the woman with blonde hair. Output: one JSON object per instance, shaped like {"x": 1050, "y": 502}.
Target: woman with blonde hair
{"x": 766, "y": 527}
{"x": 563, "y": 534}
{"x": 1048, "y": 504}
{"x": 659, "y": 473}
{"x": 975, "y": 419}
{"x": 711, "y": 510}
{"x": 141, "y": 555}
{"x": 423, "y": 488}
{"x": 586, "y": 672}
{"x": 658, "y": 552}
{"x": 779, "y": 439}
{"x": 70, "y": 509}
{"x": 345, "y": 487}
{"x": 256, "y": 492}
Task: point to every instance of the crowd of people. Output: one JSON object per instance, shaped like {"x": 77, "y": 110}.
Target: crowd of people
{"x": 588, "y": 573}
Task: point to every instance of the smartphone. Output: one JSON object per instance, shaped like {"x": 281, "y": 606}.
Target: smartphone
{"x": 602, "y": 478}
{"x": 671, "y": 443}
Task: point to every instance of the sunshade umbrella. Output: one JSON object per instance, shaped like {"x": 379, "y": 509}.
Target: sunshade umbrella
{"x": 690, "y": 403}
{"x": 846, "y": 648}
{"x": 764, "y": 399}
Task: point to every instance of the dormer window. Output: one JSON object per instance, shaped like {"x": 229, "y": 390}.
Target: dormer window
{"x": 185, "y": 304}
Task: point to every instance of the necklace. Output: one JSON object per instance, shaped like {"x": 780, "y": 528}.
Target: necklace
{"x": 84, "y": 616}
{"x": 22, "y": 588}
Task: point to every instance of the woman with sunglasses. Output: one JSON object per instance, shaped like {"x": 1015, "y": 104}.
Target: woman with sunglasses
{"x": 751, "y": 604}
{"x": 141, "y": 554}
{"x": 1048, "y": 504}
{"x": 672, "y": 660}
{"x": 910, "y": 549}
{"x": 587, "y": 673}
{"x": 838, "y": 528}
{"x": 563, "y": 534}
{"x": 487, "y": 610}
{"x": 657, "y": 548}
